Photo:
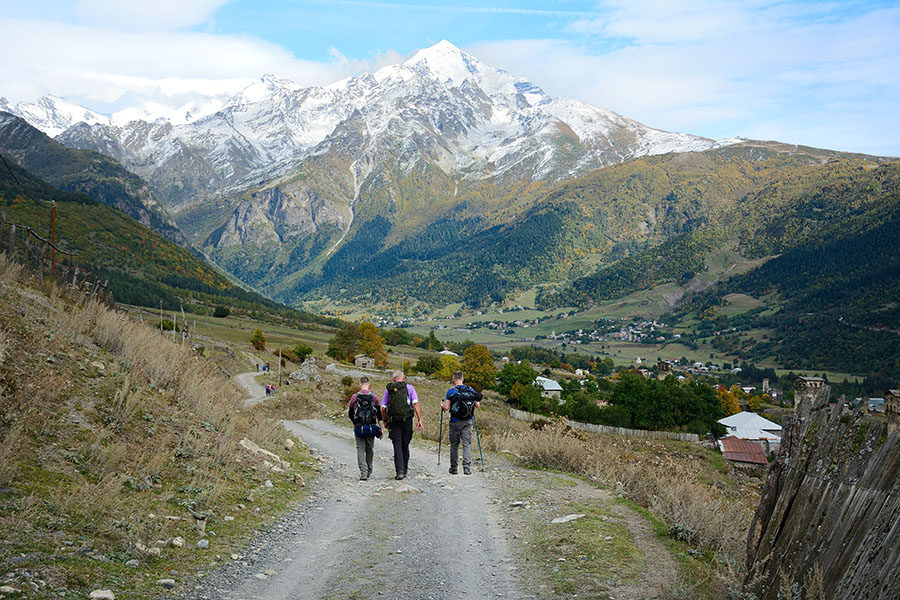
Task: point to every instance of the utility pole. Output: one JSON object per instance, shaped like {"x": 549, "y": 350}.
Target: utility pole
{"x": 53, "y": 240}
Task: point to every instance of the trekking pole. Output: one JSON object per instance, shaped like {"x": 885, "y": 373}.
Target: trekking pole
{"x": 475, "y": 424}
{"x": 441, "y": 436}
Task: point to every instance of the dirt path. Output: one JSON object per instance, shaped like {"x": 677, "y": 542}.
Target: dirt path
{"x": 428, "y": 536}
{"x": 436, "y": 536}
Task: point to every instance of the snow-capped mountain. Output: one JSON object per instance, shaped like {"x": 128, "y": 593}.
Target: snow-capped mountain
{"x": 53, "y": 115}
{"x": 286, "y": 172}
{"x": 488, "y": 121}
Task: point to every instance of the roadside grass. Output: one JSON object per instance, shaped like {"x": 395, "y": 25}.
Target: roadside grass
{"x": 109, "y": 428}
{"x": 698, "y": 504}
{"x": 587, "y": 557}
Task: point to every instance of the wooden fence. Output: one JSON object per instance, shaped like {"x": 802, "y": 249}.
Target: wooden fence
{"x": 521, "y": 415}
{"x": 22, "y": 244}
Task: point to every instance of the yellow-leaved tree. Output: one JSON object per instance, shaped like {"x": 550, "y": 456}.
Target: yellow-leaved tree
{"x": 372, "y": 344}
{"x": 449, "y": 364}
{"x": 729, "y": 402}
{"x": 478, "y": 366}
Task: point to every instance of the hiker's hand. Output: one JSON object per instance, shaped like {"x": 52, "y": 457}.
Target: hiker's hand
{"x": 418, "y": 423}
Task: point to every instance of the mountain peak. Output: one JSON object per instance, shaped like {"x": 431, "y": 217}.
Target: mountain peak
{"x": 447, "y": 63}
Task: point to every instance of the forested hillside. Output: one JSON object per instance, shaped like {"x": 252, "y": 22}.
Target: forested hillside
{"x": 143, "y": 268}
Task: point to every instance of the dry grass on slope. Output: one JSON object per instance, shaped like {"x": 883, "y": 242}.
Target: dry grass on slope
{"x": 106, "y": 428}
{"x": 709, "y": 513}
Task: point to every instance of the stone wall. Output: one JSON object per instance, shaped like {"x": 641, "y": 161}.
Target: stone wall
{"x": 829, "y": 508}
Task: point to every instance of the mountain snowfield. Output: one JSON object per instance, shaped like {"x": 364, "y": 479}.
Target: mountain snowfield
{"x": 491, "y": 120}
{"x": 273, "y": 180}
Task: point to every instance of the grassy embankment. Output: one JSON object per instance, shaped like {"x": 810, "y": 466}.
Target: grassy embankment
{"x": 113, "y": 440}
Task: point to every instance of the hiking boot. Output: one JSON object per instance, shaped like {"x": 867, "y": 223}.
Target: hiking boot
{"x": 467, "y": 471}
{"x": 363, "y": 477}
{"x": 400, "y": 476}
{"x": 369, "y": 474}
{"x": 453, "y": 471}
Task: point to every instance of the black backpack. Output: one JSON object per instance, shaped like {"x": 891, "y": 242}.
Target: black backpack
{"x": 462, "y": 403}
{"x": 398, "y": 408}
{"x": 366, "y": 412}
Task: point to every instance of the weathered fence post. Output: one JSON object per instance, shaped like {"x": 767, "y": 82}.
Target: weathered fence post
{"x": 12, "y": 240}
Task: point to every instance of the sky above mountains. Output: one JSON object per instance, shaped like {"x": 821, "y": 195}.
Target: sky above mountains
{"x": 816, "y": 73}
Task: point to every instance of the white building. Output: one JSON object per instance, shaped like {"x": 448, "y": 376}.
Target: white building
{"x": 750, "y": 426}
{"x": 549, "y": 387}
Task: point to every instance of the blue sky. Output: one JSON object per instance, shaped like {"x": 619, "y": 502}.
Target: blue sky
{"x": 817, "y": 73}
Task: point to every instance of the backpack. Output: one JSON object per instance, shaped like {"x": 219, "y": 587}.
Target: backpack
{"x": 398, "y": 408}
{"x": 462, "y": 403}
{"x": 365, "y": 409}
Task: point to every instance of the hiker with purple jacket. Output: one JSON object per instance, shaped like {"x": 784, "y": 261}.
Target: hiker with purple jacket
{"x": 398, "y": 405}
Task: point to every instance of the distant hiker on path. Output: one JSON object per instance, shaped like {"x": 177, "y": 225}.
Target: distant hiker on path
{"x": 461, "y": 401}
{"x": 364, "y": 412}
{"x": 398, "y": 404}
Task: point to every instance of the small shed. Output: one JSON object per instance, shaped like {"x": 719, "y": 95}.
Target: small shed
{"x": 549, "y": 387}
{"x": 362, "y": 361}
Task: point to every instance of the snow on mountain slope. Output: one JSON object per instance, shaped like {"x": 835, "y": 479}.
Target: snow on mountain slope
{"x": 489, "y": 121}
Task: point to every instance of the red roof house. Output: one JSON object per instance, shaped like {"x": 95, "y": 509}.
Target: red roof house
{"x": 743, "y": 451}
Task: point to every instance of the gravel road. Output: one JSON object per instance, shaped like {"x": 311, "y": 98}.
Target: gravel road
{"x": 429, "y": 536}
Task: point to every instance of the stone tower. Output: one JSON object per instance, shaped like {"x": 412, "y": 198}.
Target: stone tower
{"x": 663, "y": 370}
{"x": 892, "y": 409}
{"x": 810, "y": 394}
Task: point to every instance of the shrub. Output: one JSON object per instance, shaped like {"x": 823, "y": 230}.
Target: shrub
{"x": 258, "y": 340}
{"x": 221, "y": 312}
{"x": 302, "y": 351}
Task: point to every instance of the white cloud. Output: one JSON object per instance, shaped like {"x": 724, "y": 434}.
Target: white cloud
{"x": 147, "y": 15}
{"x": 102, "y": 67}
{"x": 725, "y": 69}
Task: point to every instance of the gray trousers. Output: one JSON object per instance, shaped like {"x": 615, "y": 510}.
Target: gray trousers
{"x": 460, "y": 430}
{"x": 365, "y": 452}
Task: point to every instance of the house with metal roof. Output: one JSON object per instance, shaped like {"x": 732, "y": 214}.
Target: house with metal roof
{"x": 750, "y": 426}
{"x": 549, "y": 387}
{"x": 744, "y": 452}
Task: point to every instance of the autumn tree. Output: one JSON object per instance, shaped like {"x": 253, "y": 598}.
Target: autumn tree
{"x": 449, "y": 364}
{"x": 729, "y": 402}
{"x": 258, "y": 340}
{"x": 478, "y": 366}
{"x": 372, "y": 344}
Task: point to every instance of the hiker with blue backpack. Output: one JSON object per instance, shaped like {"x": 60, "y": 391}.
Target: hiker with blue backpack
{"x": 398, "y": 405}
{"x": 461, "y": 401}
{"x": 365, "y": 412}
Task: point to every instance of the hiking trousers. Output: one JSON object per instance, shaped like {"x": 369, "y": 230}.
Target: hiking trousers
{"x": 460, "y": 431}
{"x": 365, "y": 452}
{"x": 401, "y": 435}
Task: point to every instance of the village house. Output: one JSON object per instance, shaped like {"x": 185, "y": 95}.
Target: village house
{"x": 754, "y": 428}
{"x": 742, "y": 452}
{"x": 549, "y": 388}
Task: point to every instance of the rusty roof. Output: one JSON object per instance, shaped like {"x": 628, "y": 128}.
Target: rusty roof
{"x": 743, "y": 450}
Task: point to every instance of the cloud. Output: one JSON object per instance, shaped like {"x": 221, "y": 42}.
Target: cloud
{"x": 100, "y": 66}
{"x": 147, "y": 15}
{"x": 819, "y": 75}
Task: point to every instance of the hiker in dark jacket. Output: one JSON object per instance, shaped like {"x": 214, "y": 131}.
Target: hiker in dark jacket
{"x": 461, "y": 422}
{"x": 365, "y": 427}
{"x": 398, "y": 405}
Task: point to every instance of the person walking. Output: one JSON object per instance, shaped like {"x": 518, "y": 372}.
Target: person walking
{"x": 398, "y": 405}
{"x": 461, "y": 401}
{"x": 365, "y": 414}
